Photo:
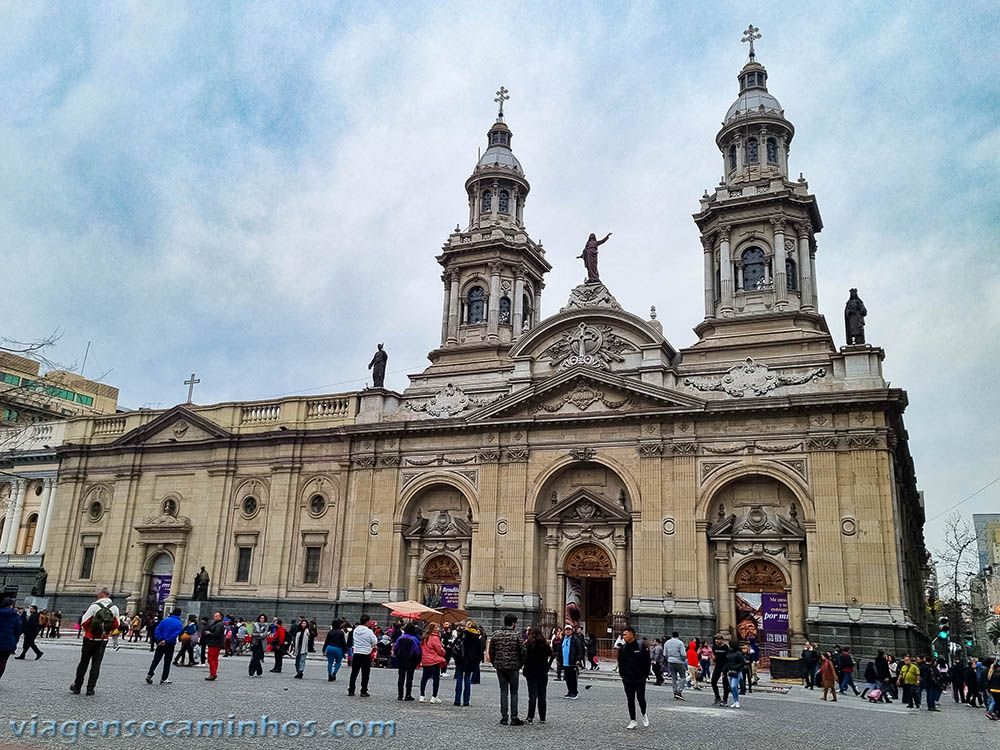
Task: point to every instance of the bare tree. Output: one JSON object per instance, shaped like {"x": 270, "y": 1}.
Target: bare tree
{"x": 956, "y": 563}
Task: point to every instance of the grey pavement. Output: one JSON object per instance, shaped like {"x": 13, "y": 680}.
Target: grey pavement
{"x": 774, "y": 721}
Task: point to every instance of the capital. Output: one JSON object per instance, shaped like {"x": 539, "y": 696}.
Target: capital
{"x": 495, "y": 268}
{"x": 724, "y": 230}
{"x": 804, "y": 229}
{"x": 778, "y": 224}
{"x": 708, "y": 243}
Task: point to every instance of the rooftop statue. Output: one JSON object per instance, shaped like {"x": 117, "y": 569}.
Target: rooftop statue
{"x": 589, "y": 256}
{"x": 854, "y": 319}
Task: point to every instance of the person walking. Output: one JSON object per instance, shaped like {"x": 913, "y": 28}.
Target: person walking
{"x": 362, "y": 644}
{"x": 432, "y": 660}
{"x": 847, "y": 670}
{"x": 676, "y": 655}
{"x": 507, "y": 654}
{"x": 467, "y": 651}
{"x": 10, "y": 631}
{"x": 992, "y": 688}
{"x": 957, "y": 675}
{"x": 592, "y": 651}
{"x": 658, "y": 660}
{"x": 720, "y": 652}
{"x": 31, "y": 628}
{"x": 334, "y": 647}
{"x": 202, "y": 656}
{"x": 692, "y": 664}
{"x": 301, "y": 647}
{"x": 893, "y": 675}
{"x": 97, "y": 622}
{"x": 313, "y": 632}
{"x": 882, "y": 675}
{"x": 633, "y": 668}
{"x": 278, "y": 646}
{"x": 705, "y": 661}
{"x": 809, "y": 660}
{"x": 930, "y": 678}
{"x": 753, "y": 656}
{"x": 572, "y": 652}
{"x": 258, "y": 645}
{"x": 187, "y": 641}
{"x": 214, "y": 639}
{"x": 909, "y": 677}
{"x": 828, "y": 677}
{"x": 406, "y": 652}
{"x": 537, "y": 656}
{"x": 166, "y": 639}
{"x": 736, "y": 667}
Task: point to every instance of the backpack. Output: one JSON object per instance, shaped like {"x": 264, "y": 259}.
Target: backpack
{"x": 103, "y": 622}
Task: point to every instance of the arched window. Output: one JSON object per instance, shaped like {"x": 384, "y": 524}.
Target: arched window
{"x": 791, "y": 277}
{"x": 476, "y": 311}
{"x": 753, "y": 268}
{"x": 751, "y": 150}
{"x": 504, "y": 311}
{"x": 504, "y": 201}
{"x": 732, "y": 157}
{"x": 772, "y": 151}
{"x": 487, "y": 201}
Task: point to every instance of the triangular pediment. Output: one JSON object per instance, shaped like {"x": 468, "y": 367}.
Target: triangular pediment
{"x": 176, "y": 425}
{"x": 584, "y": 390}
{"x": 585, "y": 507}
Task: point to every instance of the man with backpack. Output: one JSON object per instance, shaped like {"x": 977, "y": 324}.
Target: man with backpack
{"x": 97, "y": 624}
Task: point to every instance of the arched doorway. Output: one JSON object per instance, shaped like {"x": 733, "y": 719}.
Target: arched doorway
{"x": 442, "y": 582}
{"x": 762, "y": 608}
{"x": 161, "y": 571}
{"x": 589, "y": 584}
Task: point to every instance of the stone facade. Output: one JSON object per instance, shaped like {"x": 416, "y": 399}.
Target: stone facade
{"x": 573, "y": 464}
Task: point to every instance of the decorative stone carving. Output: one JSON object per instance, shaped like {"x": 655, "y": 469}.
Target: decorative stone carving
{"x": 798, "y": 465}
{"x": 588, "y": 561}
{"x": 591, "y": 295}
{"x": 457, "y": 460}
{"x": 502, "y": 526}
{"x": 751, "y": 377}
{"x": 373, "y": 528}
{"x": 862, "y": 441}
{"x": 389, "y": 461}
{"x": 424, "y": 461}
{"x": 442, "y": 525}
{"x": 488, "y": 456}
{"x": 517, "y": 455}
{"x": 760, "y": 574}
{"x": 685, "y": 449}
{"x": 711, "y": 467}
{"x": 592, "y": 346}
{"x": 179, "y": 428}
{"x": 450, "y": 401}
{"x": 650, "y": 449}
{"x": 848, "y": 526}
{"x": 582, "y": 397}
{"x": 778, "y": 448}
{"x": 669, "y": 526}
{"x": 363, "y": 462}
{"x": 822, "y": 443}
{"x": 441, "y": 569}
{"x": 582, "y": 453}
{"x": 723, "y": 450}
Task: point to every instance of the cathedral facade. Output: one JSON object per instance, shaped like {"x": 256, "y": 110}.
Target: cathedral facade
{"x": 573, "y": 466}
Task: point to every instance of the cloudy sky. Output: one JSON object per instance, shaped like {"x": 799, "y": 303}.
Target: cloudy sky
{"x": 256, "y": 192}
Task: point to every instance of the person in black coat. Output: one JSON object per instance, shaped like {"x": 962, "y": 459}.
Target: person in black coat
{"x": 31, "y": 628}
{"x": 536, "y": 672}
{"x": 10, "y": 631}
{"x": 467, "y": 651}
{"x": 633, "y": 667}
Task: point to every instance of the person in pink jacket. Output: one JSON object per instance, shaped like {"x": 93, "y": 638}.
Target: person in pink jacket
{"x": 431, "y": 659}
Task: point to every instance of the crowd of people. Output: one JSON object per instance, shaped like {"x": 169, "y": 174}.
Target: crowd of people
{"x": 730, "y": 668}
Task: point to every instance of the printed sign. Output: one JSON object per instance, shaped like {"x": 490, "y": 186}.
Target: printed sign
{"x": 774, "y": 612}
{"x": 449, "y": 595}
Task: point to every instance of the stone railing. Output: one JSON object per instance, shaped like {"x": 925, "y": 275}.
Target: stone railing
{"x": 34, "y": 437}
{"x": 328, "y": 408}
{"x": 260, "y": 413}
{"x": 112, "y": 426}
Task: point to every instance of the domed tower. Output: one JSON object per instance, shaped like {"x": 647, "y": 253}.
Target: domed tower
{"x": 492, "y": 270}
{"x": 758, "y": 227}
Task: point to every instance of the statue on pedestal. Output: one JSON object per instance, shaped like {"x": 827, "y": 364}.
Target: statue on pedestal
{"x": 201, "y": 580}
{"x": 41, "y": 578}
{"x": 854, "y": 319}
{"x": 589, "y": 256}
{"x": 377, "y": 366}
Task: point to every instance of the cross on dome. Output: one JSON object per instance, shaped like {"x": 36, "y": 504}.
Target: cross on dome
{"x": 750, "y": 35}
{"x": 500, "y": 99}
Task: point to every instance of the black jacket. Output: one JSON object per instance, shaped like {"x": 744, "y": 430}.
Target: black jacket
{"x": 335, "y": 637}
{"x": 633, "y": 661}
{"x": 467, "y": 650}
{"x": 536, "y": 660}
{"x": 735, "y": 661}
{"x": 720, "y": 653}
{"x": 577, "y": 651}
{"x": 882, "y": 667}
{"x": 810, "y": 656}
{"x": 870, "y": 674}
{"x": 214, "y": 634}
{"x": 31, "y": 627}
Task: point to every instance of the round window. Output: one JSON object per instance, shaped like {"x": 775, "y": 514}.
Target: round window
{"x": 317, "y": 504}
{"x": 249, "y": 505}
{"x": 96, "y": 510}
{"x": 38, "y": 489}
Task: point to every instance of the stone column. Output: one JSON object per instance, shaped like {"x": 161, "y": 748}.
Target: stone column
{"x": 797, "y": 597}
{"x": 704, "y": 590}
{"x": 725, "y": 272}
{"x": 493, "y": 313}
{"x": 14, "y": 519}
{"x": 709, "y": 247}
{"x": 8, "y": 515}
{"x": 453, "y": 309}
{"x": 446, "y": 310}
{"x": 476, "y": 203}
{"x": 783, "y": 155}
{"x": 620, "y": 598}
{"x": 780, "y": 282}
{"x": 515, "y": 200}
{"x": 740, "y": 155}
{"x": 518, "y": 306}
{"x": 805, "y": 266}
{"x": 132, "y": 604}
{"x": 495, "y": 202}
{"x": 44, "y": 518}
{"x": 551, "y": 561}
{"x": 538, "y": 302}
{"x": 722, "y": 582}
{"x": 463, "y": 586}
{"x": 414, "y": 561}
{"x": 560, "y": 597}
{"x": 812, "y": 275}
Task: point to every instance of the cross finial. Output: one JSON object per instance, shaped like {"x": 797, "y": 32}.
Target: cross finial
{"x": 749, "y": 35}
{"x": 500, "y": 99}
{"x": 190, "y": 384}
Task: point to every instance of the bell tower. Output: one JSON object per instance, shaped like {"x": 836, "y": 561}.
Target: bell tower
{"x": 758, "y": 227}
{"x": 493, "y": 270}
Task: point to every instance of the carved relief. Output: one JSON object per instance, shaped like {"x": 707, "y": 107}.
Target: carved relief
{"x": 848, "y": 526}
{"x": 862, "y": 441}
{"x": 363, "y": 462}
{"x": 761, "y": 575}
{"x": 517, "y": 455}
{"x": 669, "y": 526}
{"x": 723, "y": 450}
{"x": 582, "y": 397}
{"x": 822, "y": 443}
{"x": 442, "y": 569}
{"x": 778, "y": 448}
{"x": 582, "y": 453}
{"x": 592, "y": 346}
{"x": 450, "y": 401}
{"x": 684, "y": 449}
{"x": 488, "y": 456}
{"x": 389, "y": 461}
{"x": 708, "y": 468}
{"x": 650, "y": 449}
{"x": 588, "y": 561}
{"x": 752, "y": 378}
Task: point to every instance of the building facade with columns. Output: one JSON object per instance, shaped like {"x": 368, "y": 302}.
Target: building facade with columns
{"x": 573, "y": 466}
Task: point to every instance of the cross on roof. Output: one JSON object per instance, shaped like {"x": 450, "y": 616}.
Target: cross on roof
{"x": 190, "y": 384}
{"x": 749, "y": 35}
{"x": 501, "y": 98}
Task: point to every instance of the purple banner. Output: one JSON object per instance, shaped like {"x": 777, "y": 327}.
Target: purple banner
{"x": 774, "y": 613}
{"x": 449, "y": 595}
{"x": 162, "y": 586}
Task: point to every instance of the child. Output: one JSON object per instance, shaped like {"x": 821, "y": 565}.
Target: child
{"x": 871, "y": 683}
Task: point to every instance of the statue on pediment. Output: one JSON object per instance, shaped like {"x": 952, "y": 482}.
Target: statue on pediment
{"x": 589, "y": 256}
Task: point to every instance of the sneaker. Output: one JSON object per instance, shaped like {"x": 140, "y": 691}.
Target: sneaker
{"x": 645, "y": 720}
{"x": 423, "y": 699}
{"x": 516, "y": 722}
{"x": 166, "y": 682}
{"x": 434, "y": 700}
{"x": 149, "y": 679}
{"x": 631, "y": 725}
{"x": 503, "y": 722}
{"x": 350, "y": 693}
{"x": 39, "y": 656}
{"x": 211, "y": 677}
{"x": 90, "y": 691}
{"x": 678, "y": 696}
{"x": 716, "y": 702}
{"x": 736, "y": 705}
{"x": 75, "y": 689}
{"x": 407, "y": 698}
{"x": 330, "y": 678}
{"x": 366, "y": 694}
{"x": 574, "y": 696}
{"x": 724, "y": 704}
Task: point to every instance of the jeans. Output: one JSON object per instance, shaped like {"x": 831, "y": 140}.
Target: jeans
{"x": 848, "y": 680}
{"x": 908, "y": 691}
{"x": 164, "y": 651}
{"x": 405, "y": 679}
{"x": 706, "y": 670}
{"x": 570, "y": 673}
{"x": 536, "y": 694}
{"x": 432, "y": 674}
{"x": 677, "y": 672}
{"x": 463, "y": 685}
{"x": 918, "y": 690}
{"x": 300, "y": 661}
{"x": 334, "y": 656}
{"x": 734, "y": 687}
{"x": 256, "y": 658}
{"x": 635, "y": 690}
{"x": 91, "y": 654}
{"x": 933, "y": 696}
{"x": 213, "y": 660}
{"x": 361, "y": 663}
{"x": 508, "y": 679}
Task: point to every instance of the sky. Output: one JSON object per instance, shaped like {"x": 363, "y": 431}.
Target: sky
{"x": 256, "y": 191}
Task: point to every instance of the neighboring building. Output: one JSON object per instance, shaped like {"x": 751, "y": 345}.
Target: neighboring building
{"x": 571, "y": 466}
{"x": 26, "y": 396}
{"x": 987, "y": 590}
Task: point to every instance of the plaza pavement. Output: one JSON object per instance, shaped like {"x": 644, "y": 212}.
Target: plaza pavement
{"x": 770, "y": 721}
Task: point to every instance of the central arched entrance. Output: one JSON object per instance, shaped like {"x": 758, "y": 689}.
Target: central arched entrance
{"x": 589, "y": 575}
{"x": 161, "y": 572}
{"x": 442, "y": 582}
{"x": 762, "y": 608}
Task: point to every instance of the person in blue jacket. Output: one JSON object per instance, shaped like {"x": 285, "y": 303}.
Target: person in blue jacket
{"x": 10, "y": 631}
{"x": 165, "y": 638}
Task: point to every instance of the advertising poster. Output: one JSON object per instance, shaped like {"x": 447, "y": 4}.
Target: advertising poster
{"x": 449, "y": 595}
